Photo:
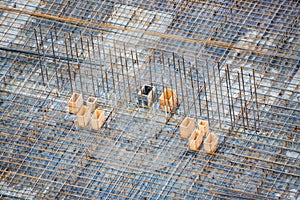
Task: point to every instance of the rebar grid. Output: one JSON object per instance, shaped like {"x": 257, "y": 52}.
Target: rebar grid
{"x": 235, "y": 64}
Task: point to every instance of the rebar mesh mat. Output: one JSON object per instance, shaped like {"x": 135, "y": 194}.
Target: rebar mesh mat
{"x": 233, "y": 63}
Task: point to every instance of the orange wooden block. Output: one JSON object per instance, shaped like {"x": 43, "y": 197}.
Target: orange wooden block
{"x": 203, "y": 124}
{"x": 211, "y": 143}
{"x": 91, "y": 103}
{"x": 168, "y": 100}
{"x": 83, "y": 116}
{"x": 195, "y": 140}
{"x": 75, "y": 103}
{"x": 186, "y": 128}
{"x": 98, "y": 119}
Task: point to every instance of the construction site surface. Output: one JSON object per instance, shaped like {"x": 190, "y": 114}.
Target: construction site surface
{"x": 145, "y": 66}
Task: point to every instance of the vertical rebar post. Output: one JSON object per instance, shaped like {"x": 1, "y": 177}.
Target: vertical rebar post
{"x": 68, "y": 63}
{"x": 39, "y": 56}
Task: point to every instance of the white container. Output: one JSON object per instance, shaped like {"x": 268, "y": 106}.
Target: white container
{"x": 146, "y": 95}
